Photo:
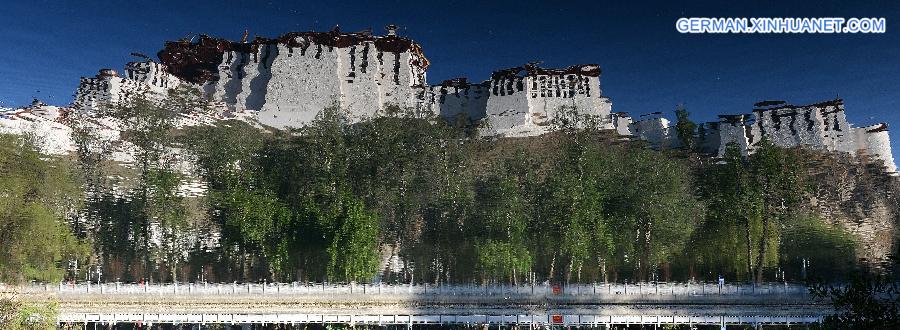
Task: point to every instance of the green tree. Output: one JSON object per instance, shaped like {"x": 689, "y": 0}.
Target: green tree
{"x": 826, "y": 250}
{"x": 867, "y": 301}
{"x": 228, "y": 158}
{"x": 38, "y": 197}
{"x": 148, "y": 126}
{"x": 225, "y": 154}
{"x": 781, "y": 181}
{"x": 259, "y": 220}
{"x": 759, "y": 195}
{"x": 18, "y": 315}
{"x": 685, "y": 128}
{"x": 501, "y": 259}
{"x": 502, "y": 222}
{"x": 573, "y": 208}
{"x": 569, "y": 119}
{"x": 403, "y": 166}
{"x": 165, "y": 206}
{"x": 733, "y": 220}
{"x": 650, "y": 197}
{"x": 353, "y": 251}
{"x": 574, "y": 211}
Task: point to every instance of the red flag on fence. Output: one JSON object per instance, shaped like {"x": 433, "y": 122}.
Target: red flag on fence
{"x": 557, "y": 319}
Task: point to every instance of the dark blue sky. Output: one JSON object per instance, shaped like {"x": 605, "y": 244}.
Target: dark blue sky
{"x": 647, "y": 65}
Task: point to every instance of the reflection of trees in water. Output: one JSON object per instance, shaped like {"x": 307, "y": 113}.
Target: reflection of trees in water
{"x": 565, "y": 207}
{"x": 333, "y": 200}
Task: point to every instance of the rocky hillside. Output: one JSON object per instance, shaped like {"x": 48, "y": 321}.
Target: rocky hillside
{"x": 861, "y": 197}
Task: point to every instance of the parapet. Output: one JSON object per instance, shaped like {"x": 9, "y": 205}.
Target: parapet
{"x": 107, "y": 73}
{"x": 532, "y": 69}
{"x": 734, "y": 120}
{"x": 881, "y": 127}
{"x": 525, "y": 100}
{"x": 198, "y": 61}
{"x": 821, "y": 126}
{"x": 781, "y": 105}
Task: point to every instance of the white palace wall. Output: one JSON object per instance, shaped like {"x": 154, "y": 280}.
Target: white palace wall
{"x": 287, "y": 82}
{"x": 524, "y": 101}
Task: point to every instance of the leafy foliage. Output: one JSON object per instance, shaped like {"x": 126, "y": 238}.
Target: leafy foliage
{"x": 37, "y": 196}
{"x": 685, "y": 128}
{"x": 16, "y": 315}
{"x": 353, "y": 250}
{"x": 502, "y": 220}
{"x": 409, "y": 197}
{"x": 868, "y": 301}
{"x": 751, "y": 199}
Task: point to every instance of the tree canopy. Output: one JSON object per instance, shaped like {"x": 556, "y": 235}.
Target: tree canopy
{"x": 408, "y": 197}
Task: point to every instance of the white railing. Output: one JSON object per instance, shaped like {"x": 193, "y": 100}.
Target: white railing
{"x": 520, "y": 319}
{"x": 572, "y": 290}
{"x": 790, "y": 303}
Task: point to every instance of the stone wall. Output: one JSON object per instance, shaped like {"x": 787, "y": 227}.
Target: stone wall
{"x": 734, "y": 129}
{"x": 305, "y": 82}
{"x": 654, "y": 129}
{"x": 621, "y": 122}
{"x": 874, "y": 141}
{"x": 508, "y": 111}
{"x": 145, "y": 78}
{"x": 153, "y": 75}
{"x": 710, "y": 137}
{"x": 821, "y": 126}
{"x": 105, "y": 88}
{"x": 791, "y": 126}
{"x": 524, "y": 101}
{"x": 291, "y": 78}
{"x": 457, "y": 99}
{"x": 287, "y": 81}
